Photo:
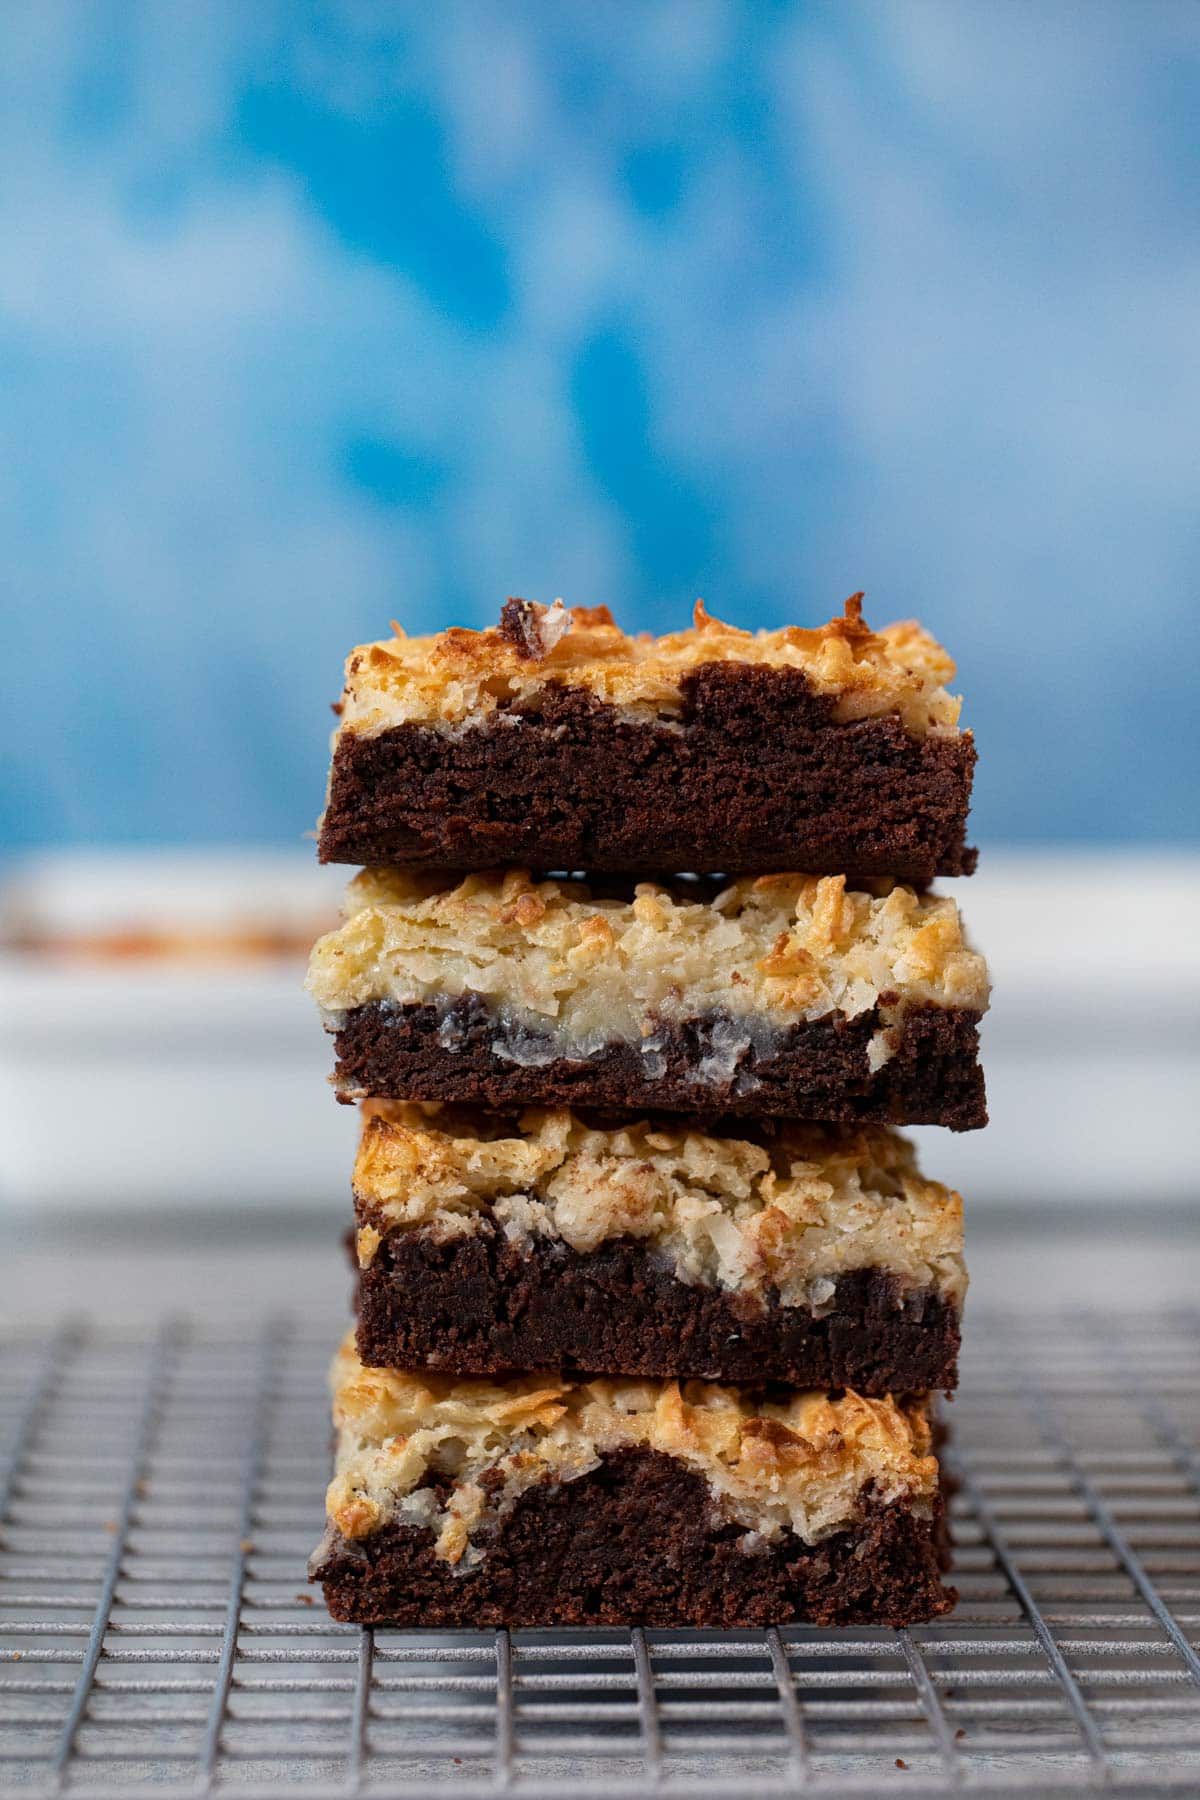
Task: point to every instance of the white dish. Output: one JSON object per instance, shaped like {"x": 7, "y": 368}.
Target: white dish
{"x": 155, "y": 1084}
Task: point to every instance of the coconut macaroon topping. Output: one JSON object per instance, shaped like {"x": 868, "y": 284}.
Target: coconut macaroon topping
{"x": 454, "y": 1456}
{"x": 788, "y": 1210}
{"x": 582, "y": 971}
{"x": 462, "y": 678}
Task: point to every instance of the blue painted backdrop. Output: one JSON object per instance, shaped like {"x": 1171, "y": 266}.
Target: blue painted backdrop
{"x": 315, "y": 315}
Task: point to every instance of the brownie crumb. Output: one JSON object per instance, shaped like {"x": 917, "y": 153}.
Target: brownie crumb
{"x": 533, "y": 630}
{"x": 480, "y": 1305}
{"x": 819, "y": 1071}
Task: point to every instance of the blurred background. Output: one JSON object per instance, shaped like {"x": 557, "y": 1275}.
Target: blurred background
{"x": 316, "y": 316}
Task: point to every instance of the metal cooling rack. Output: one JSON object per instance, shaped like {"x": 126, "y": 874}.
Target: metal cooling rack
{"x": 158, "y": 1500}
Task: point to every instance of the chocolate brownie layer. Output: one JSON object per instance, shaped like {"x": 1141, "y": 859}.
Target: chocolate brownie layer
{"x": 632, "y": 1542}
{"x": 755, "y": 775}
{"x": 820, "y": 1071}
{"x": 481, "y": 1305}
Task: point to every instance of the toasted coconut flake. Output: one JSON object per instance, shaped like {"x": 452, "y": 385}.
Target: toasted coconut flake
{"x": 458, "y": 678}
{"x": 588, "y": 970}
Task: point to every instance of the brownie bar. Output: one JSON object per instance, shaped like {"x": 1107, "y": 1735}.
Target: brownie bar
{"x": 540, "y": 1501}
{"x": 634, "y": 1542}
{"x": 814, "y": 1256}
{"x": 820, "y": 1070}
{"x": 756, "y": 775}
{"x": 556, "y": 740}
{"x": 480, "y": 1305}
{"x": 787, "y": 995}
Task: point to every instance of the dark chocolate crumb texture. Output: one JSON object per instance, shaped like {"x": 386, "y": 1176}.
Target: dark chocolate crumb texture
{"x": 819, "y": 1071}
{"x": 538, "y": 1502}
{"x": 557, "y": 740}
{"x": 809, "y": 1255}
{"x": 483, "y": 1307}
{"x": 788, "y": 995}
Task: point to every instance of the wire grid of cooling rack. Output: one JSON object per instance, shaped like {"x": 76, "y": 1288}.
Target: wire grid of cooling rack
{"x": 158, "y": 1500}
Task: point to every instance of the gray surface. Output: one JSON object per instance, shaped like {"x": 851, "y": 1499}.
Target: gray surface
{"x": 162, "y": 1488}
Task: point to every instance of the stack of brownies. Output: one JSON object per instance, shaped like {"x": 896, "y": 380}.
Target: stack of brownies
{"x": 651, "y": 1301}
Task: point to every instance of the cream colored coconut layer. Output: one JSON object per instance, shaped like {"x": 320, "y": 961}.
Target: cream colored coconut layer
{"x": 460, "y": 678}
{"x": 788, "y": 1210}
{"x": 575, "y": 972}
{"x": 804, "y": 1464}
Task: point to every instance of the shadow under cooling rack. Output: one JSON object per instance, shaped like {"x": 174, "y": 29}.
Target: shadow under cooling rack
{"x": 158, "y": 1501}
